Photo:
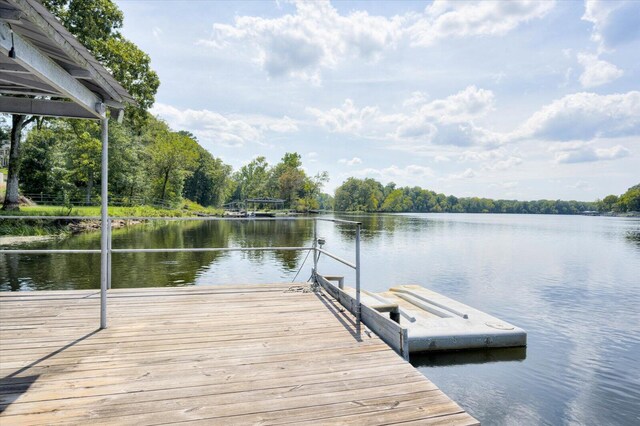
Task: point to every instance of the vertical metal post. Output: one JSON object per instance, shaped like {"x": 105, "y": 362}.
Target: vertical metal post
{"x": 315, "y": 250}
{"x": 104, "y": 224}
{"x": 110, "y": 240}
{"x": 358, "y": 272}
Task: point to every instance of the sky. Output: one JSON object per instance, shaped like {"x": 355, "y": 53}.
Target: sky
{"x": 519, "y": 100}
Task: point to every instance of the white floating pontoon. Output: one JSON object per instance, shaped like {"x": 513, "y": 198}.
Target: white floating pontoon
{"x": 435, "y": 322}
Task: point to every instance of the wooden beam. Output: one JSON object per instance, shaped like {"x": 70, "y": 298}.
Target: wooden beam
{"x": 27, "y": 106}
{"x": 48, "y": 71}
{"x": 12, "y": 16}
{"x": 14, "y": 90}
{"x": 12, "y": 68}
{"x": 25, "y": 82}
{"x": 78, "y": 72}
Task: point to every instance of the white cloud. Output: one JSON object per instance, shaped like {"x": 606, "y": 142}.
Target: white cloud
{"x": 492, "y": 160}
{"x": 347, "y": 119}
{"x": 596, "y": 71}
{"x": 352, "y": 162}
{"x": 447, "y": 121}
{"x": 491, "y": 155}
{"x": 282, "y": 125}
{"x": 456, "y": 19}
{"x": 412, "y": 174}
{"x": 503, "y": 164}
{"x": 585, "y": 116}
{"x": 312, "y": 157}
{"x": 581, "y": 184}
{"x": 441, "y": 159}
{"x": 316, "y": 36}
{"x": 467, "y": 174}
{"x": 589, "y": 154}
{"x": 614, "y": 22}
{"x": 215, "y": 128}
{"x": 415, "y": 100}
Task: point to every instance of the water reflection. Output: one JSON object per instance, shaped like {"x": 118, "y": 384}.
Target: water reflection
{"x": 475, "y": 356}
{"x": 82, "y": 271}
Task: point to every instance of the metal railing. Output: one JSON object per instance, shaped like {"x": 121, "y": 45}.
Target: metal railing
{"x": 106, "y": 251}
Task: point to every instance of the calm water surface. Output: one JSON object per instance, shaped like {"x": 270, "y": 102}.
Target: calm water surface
{"x": 572, "y": 282}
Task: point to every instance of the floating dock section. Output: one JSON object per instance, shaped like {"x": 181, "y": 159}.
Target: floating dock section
{"x": 411, "y": 318}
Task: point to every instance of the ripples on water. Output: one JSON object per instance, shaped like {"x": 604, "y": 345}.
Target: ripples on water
{"x": 571, "y": 282}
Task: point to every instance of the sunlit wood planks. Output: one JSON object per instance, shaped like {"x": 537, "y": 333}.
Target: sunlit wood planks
{"x": 210, "y": 355}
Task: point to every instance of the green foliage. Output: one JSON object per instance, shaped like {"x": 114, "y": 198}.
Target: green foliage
{"x": 43, "y": 159}
{"x": 132, "y": 68}
{"x": 325, "y": 201}
{"x": 209, "y": 184}
{"x": 627, "y": 202}
{"x": 62, "y": 162}
{"x": 286, "y": 180}
{"x": 88, "y": 20}
{"x": 365, "y": 195}
{"x": 630, "y": 200}
{"x": 96, "y": 24}
{"x": 252, "y": 180}
{"x": 172, "y": 157}
{"x": 369, "y": 195}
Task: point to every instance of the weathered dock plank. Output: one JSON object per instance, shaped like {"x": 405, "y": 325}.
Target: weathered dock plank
{"x": 245, "y": 354}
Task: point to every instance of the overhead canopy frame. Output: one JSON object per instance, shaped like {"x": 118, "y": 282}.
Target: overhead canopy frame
{"x": 45, "y": 71}
{"x": 39, "y": 58}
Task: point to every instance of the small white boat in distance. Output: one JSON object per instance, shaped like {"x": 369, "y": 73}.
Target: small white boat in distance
{"x": 438, "y": 323}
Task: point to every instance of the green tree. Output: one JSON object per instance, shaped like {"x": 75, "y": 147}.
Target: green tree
{"x": 12, "y": 194}
{"x": 128, "y": 157}
{"x": 43, "y": 157}
{"x": 359, "y": 195}
{"x": 209, "y": 184}
{"x": 252, "y": 179}
{"x": 630, "y": 200}
{"x": 173, "y": 156}
{"x": 83, "y": 148}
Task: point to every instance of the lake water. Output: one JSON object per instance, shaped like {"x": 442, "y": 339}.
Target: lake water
{"x": 572, "y": 282}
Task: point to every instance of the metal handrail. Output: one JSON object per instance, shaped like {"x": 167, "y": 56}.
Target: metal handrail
{"x": 107, "y": 250}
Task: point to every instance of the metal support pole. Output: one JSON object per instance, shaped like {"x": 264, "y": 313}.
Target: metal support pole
{"x": 315, "y": 251}
{"x": 358, "y": 273}
{"x": 109, "y": 221}
{"x": 104, "y": 225}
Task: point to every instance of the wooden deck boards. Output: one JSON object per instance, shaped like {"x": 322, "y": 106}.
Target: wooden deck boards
{"x": 203, "y": 355}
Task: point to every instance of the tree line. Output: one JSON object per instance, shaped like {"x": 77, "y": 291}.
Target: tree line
{"x": 157, "y": 166}
{"x": 369, "y": 195}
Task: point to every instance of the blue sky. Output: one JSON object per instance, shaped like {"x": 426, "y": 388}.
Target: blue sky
{"x": 514, "y": 99}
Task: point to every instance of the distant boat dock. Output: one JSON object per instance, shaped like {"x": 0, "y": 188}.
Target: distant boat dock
{"x": 266, "y": 354}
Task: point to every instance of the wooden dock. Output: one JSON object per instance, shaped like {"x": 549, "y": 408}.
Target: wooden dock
{"x": 267, "y": 354}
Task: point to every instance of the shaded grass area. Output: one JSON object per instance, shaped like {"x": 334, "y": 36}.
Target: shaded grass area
{"x": 187, "y": 210}
{"x": 35, "y": 227}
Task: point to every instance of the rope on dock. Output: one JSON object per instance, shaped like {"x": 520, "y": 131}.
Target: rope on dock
{"x": 299, "y": 289}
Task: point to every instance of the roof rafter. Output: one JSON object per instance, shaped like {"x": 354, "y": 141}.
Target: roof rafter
{"x": 43, "y": 67}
